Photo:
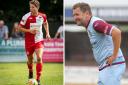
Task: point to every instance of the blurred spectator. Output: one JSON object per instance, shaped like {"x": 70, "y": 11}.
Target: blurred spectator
{"x": 59, "y": 33}
{"x": 3, "y": 30}
{"x": 15, "y": 33}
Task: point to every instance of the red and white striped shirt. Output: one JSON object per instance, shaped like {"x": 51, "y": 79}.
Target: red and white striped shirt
{"x": 33, "y": 22}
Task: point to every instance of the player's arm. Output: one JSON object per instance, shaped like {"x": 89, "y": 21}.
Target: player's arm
{"x": 57, "y": 34}
{"x": 23, "y": 29}
{"x": 102, "y": 27}
{"x": 105, "y": 28}
{"x": 46, "y": 27}
{"x": 21, "y": 26}
{"x": 59, "y": 31}
{"x": 116, "y": 37}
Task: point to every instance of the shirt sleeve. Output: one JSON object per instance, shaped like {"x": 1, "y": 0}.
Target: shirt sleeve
{"x": 44, "y": 17}
{"x": 102, "y": 27}
{"x": 23, "y": 21}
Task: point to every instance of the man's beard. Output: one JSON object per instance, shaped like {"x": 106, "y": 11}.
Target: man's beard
{"x": 80, "y": 24}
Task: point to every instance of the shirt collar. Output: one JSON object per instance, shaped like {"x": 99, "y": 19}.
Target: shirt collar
{"x": 88, "y": 22}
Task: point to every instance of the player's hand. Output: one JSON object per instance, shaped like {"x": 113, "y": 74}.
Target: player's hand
{"x": 48, "y": 36}
{"x": 17, "y": 29}
{"x": 110, "y": 59}
{"x": 33, "y": 31}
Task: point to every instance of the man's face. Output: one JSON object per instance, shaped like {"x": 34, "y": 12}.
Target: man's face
{"x": 33, "y": 8}
{"x": 79, "y": 16}
{"x": 1, "y": 24}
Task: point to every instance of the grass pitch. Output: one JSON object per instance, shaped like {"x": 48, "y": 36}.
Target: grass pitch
{"x": 17, "y": 74}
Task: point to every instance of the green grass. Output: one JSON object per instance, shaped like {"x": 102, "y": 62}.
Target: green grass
{"x": 17, "y": 74}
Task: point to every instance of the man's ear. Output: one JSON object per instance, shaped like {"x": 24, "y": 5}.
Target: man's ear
{"x": 87, "y": 12}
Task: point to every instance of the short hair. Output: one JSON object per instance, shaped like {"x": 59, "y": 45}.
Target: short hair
{"x": 83, "y": 7}
{"x": 35, "y": 2}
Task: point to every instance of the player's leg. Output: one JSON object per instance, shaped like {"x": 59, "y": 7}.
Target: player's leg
{"x": 29, "y": 52}
{"x": 30, "y": 65}
{"x": 111, "y": 75}
{"x": 39, "y": 52}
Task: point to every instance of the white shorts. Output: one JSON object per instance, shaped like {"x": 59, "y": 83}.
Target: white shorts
{"x": 111, "y": 75}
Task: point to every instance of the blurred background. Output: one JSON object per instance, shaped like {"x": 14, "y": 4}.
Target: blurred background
{"x": 81, "y": 68}
{"x": 12, "y": 54}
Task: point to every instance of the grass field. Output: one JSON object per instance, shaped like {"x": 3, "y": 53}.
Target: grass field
{"x": 17, "y": 74}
